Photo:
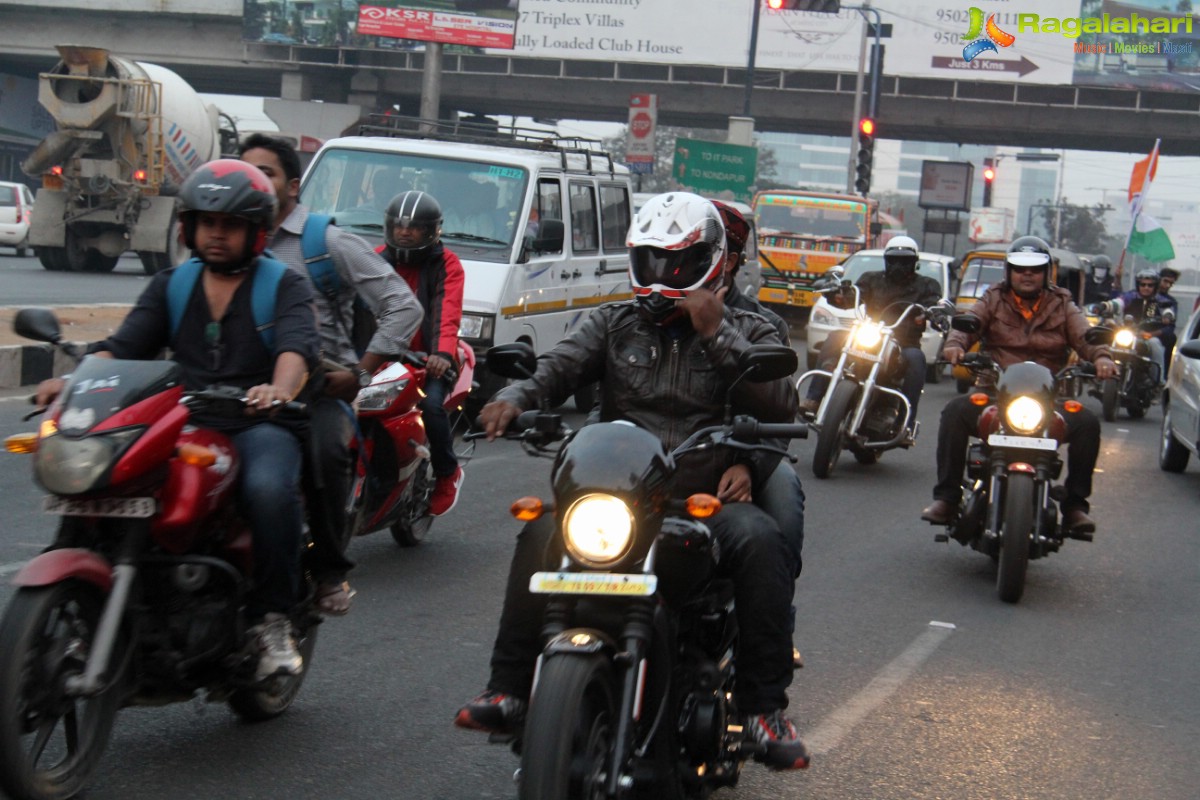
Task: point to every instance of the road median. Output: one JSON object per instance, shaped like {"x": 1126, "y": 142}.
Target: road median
{"x": 25, "y": 363}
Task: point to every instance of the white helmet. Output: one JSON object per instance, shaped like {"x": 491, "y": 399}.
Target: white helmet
{"x": 900, "y": 258}
{"x": 676, "y": 245}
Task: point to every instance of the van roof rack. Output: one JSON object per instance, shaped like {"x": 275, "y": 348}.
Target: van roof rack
{"x": 477, "y": 131}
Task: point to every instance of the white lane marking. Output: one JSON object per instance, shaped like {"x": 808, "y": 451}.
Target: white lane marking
{"x": 830, "y": 731}
{"x": 8, "y": 569}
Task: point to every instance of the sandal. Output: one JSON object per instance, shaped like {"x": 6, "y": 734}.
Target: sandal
{"x": 334, "y": 598}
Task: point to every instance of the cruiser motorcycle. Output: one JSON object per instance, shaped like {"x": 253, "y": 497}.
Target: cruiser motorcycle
{"x": 1008, "y": 510}
{"x": 141, "y": 600}
{"x": 1135, "y": 388}
{"x": 863, "y": 409}
{"x": 633, "y": 694}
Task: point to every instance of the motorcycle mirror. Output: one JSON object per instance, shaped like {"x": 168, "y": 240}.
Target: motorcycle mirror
{"x": 1099, "y": 334}
{"x": 967, "y": 323}
{"x": 836, "y": 272}
{"x": 38, "y": 324}
{"x": 514, "y": 360}
{"x": 767, "y": 362}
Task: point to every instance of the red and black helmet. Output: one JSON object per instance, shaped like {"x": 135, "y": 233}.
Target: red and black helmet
{"x": 229, "y": 186}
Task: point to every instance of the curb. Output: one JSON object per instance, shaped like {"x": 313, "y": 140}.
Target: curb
{"x": 29, "y": 364}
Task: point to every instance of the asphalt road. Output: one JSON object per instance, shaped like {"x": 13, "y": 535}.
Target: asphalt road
{"x": 26, "y": 283}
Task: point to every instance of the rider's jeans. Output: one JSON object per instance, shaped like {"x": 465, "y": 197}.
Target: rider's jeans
{"x": 328, "y": 478}
{"x": 437, "y": 427}
{"x": 269, "y": 498}
{"x": 1158, "y": 353}
{"x": 914, "y": 370}
{"x": 782, "y": 497}
{"x": 960, "y": 421}
{"x": 753, "y": 554}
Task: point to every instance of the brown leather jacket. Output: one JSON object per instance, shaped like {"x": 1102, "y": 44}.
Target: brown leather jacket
{"x": 669, "y": 384}
{"x": 1055, "y": 329}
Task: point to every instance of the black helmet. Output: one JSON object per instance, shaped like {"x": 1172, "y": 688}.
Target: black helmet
{"x": 229, "y": 186}
{"x": 413, "y": 209}
{"x": 900, "y": 258}
{"x": 1028, "y": 251}
{"x": 1101, "y": 266}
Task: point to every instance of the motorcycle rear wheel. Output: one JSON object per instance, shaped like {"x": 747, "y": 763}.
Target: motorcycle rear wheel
{"x": 1015, "y": 531}
{"x": 50, "y": 741}
{"x": 413, "y": 527}
{"x": 259, "y": 705}
{"x": 833, "y": 429}
{"x": 1110, "y": 399}
{"x": 569, "y": 731}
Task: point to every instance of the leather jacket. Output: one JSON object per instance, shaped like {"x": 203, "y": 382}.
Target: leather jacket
{"x": 665, "y": 379}
{"x": 1056, "y": 328}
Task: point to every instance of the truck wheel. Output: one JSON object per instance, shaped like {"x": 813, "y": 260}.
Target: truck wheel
{"x": 52, "y": 258}
{"x": 177, "y": 253}
{"x": 98, "y": 262}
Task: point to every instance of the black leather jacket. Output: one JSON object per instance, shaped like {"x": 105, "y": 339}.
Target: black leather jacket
{"x": 669, "y": 381}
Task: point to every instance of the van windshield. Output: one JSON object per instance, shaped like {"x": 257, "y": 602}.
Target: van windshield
{"x": 481, "y": 202}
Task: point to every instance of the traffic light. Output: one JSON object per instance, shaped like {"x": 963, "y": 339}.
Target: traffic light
{"x": 819, "y": 6}
{"x": 866, "y": 154}
{"x": 989, "y": 175}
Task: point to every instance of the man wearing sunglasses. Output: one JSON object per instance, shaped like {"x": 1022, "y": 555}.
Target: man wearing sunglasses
{"x": 1145, "y": 304}
{"x": 1024, "y": 318}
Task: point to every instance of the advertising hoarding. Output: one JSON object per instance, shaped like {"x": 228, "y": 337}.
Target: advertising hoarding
{"x": 946, "y": 184}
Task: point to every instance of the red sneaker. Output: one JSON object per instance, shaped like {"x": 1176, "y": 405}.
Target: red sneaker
{"x": 445, "y": 493}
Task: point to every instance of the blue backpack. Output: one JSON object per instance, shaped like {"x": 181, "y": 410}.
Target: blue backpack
{"x": 266, "y": 280}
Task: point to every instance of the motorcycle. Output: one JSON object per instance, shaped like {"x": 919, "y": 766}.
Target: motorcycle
{"x": 633, "y": 693}
{"x": 1135, "y": 387}
{"x": 393, "y": 478}
{"x": 1008, "y": 510}
{"x": 141, "y": 599}
{"x": 863, "y": 410}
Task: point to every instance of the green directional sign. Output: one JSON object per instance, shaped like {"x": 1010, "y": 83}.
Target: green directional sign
{"x": 711, "y": 168}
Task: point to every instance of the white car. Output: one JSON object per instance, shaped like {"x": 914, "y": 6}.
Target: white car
{"x": 16, "y": 204}
{"x": 1181, "y": 402}
{"x": 827, "y": 318}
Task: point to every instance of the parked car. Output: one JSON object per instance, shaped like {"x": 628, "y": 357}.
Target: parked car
{"x": 827, "y": 318}
{"x": 16, "y": 204}
{"x": 1181, "y": 402}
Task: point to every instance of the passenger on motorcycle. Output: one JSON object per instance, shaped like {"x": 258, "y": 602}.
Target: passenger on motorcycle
{"x": 227, "y": 209}
{"x": 360, "y": 273}
{"x": 1144, "y": 304}
{"x": 665, "y": 362}
{"x": 412, "y": 232}
{"x": 891, "y": 291}
{"x": 1167, "y": 277}
{"x": 1023, "y": 318}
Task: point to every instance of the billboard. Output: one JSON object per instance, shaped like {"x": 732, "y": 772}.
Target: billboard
{"x": 946, "y": 184}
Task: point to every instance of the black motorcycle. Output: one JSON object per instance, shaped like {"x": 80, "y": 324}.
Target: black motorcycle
{"x": 1008, "y": 509}
{"x": 1136, "y": 385}
{"x": 633, "y": 695}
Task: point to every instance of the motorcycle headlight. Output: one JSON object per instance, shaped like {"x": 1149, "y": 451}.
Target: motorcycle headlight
{"x": 379, "y": 396}
{"x": 1024, "y": 414}
{"x": 73, "y": 466}
{"x": 867, "y": 335}
{"x": 1124, "y": 338}
{"x": 598, "y": 529}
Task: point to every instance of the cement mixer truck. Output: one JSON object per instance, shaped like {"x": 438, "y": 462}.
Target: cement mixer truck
{"x": 129, "y": 134}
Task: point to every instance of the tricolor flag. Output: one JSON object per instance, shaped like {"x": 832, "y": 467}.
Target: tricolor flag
{"x": 1143, "y": 174}
{"x": 1146, "y": 236}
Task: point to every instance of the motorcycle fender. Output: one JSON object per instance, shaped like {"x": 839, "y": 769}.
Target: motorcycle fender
{"x": 60, "y": 565}
{"x": 580, "y": 640}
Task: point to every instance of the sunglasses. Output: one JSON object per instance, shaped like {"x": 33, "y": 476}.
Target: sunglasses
{"x": 1027, "y": 270}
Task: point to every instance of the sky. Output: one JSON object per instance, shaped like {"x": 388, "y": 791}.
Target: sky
{"x": 1089, "y": 177}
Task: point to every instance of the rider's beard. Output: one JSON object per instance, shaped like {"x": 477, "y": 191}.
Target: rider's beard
{"x": 1028, "y": 295}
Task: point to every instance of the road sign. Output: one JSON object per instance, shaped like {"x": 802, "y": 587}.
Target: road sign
{"x": 639, "y": 145}
{"x": 711, "y": 168}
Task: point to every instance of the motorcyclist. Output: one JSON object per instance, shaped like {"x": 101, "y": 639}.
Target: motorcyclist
{"x": 1144, "y": 304}
{"x": 665, "y": 362}
{"x": 360, "y": 273}
{"x": 412, "y": 232}
{"x": 886, "y": 293}
{"x": 1167, "y": 276}
{"x": 1023, "y": 318}
{"x": 1100, "y": 280}
{"x": 227, "y": 210}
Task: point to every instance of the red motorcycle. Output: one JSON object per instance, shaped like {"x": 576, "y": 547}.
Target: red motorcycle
{"x": 394, "y": 478}
{"x": 141, "y": 601}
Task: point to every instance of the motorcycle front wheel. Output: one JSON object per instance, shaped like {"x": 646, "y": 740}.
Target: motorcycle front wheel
{"x": 51, "y": 740}
{"x": 1110, "y": 399}
{"x": 838, "y": 413}
{"x": 569, "y": 731}
{"x": 1015, "y": 531}
{"x": 413, "y": 526}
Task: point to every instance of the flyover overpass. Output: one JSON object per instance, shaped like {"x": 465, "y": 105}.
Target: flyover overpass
{"x": 209, "y": 52}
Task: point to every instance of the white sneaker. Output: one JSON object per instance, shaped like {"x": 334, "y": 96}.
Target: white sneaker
{"x": 277, "y": 649}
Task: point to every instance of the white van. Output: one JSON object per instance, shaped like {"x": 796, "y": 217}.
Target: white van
{"x": 539, "y": 224}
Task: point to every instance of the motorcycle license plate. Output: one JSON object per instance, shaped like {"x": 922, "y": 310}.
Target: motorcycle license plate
{"x": 611, "y": 584}
{"x": 862, "y": 354}
{"x": 1024, "y": 442}
{"x": 101, "y": 507}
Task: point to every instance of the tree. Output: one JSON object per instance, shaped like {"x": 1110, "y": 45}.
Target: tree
{"x": 664, "y": 157}
{"x": 1080, "y": 228}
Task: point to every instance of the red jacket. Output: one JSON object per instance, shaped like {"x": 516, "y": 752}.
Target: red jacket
{"x": 438, "y": 285}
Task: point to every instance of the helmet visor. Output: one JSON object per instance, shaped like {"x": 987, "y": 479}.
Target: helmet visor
{"x": 1031, "y": 258}
{"x": 688, "y": 268}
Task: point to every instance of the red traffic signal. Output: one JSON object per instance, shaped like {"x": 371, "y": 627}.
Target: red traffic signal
{"x": 866, "y": 126}
{"x": 989, "y": 173}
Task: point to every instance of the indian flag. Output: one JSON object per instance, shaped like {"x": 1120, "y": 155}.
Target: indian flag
{"x": 1149, "y": 240}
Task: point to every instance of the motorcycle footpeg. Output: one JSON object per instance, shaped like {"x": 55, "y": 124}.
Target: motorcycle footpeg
{"x": 1082, "y": 536}
{"x": 941, "y": 538}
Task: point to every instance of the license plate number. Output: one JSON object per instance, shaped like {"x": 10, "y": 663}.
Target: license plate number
{"x": 610, "y": 584}
{"x": 136, "y": 507}
{"x": 864, "y": 356}
{"x": 1022, "y": 442}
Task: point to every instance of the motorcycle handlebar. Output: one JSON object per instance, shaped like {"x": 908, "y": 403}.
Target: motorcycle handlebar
{"x": 750, "y": 428}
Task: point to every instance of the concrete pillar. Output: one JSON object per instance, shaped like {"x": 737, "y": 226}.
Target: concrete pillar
{"x": 364, "y": 89}
{"x": 295, "y": 86}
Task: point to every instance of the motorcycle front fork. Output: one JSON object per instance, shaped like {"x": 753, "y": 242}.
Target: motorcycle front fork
{"x": 995, "y": 519}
